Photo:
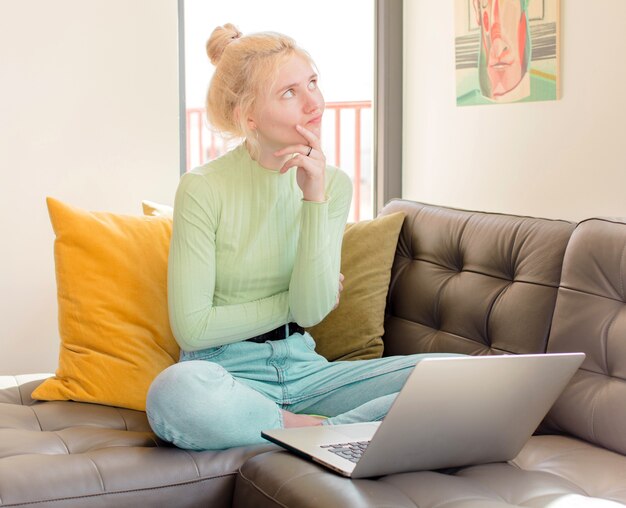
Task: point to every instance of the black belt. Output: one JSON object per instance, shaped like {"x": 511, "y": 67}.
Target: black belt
{"x": 280, "y": 333}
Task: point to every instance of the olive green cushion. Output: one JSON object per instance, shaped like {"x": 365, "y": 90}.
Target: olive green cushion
{"x": 354, "y": 329}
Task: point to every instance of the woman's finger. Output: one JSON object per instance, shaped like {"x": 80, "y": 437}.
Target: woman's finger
{"x": 291, "y": 149}
{"x": 313, "y": 140}
{"x": 299, "y": 160}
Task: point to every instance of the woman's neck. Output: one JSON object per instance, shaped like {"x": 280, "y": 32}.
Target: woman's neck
{"x": 266, "y": 157}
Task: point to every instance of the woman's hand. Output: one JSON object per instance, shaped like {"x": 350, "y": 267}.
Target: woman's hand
{"x": 341, "y": 279}
{"x": 311, "y": 164}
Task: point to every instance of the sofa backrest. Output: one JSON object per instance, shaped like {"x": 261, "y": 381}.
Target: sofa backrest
{"x": 472, "y": 282}
{"x": 590, "y": 316}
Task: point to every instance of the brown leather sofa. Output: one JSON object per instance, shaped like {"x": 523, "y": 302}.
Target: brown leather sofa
{"x": 469, "y": 282}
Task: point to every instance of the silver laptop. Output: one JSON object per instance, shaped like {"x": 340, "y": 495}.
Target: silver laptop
{"x": 451, "y": 412}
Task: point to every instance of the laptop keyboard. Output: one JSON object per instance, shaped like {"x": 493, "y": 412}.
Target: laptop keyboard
{"x": 349, "y": 451}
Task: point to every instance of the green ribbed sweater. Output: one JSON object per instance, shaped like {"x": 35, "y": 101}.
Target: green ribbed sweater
{"x": 248, "y": 254}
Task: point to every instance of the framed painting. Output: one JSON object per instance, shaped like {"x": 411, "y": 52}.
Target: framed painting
{"x": 506, "y": 51}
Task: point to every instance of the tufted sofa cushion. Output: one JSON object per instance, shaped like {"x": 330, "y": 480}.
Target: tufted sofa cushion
{"x": 73, "y": 454}
{"x": 590, "y": 316}
{"x": 472, "y": 282}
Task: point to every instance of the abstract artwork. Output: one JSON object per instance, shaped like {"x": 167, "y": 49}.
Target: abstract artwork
{"x": 506, "y": 51}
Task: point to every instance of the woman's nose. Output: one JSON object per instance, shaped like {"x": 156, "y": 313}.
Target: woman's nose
{"x": 313, "y": 101}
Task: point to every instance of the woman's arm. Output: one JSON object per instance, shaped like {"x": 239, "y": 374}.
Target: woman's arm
{"x": 196, "y": 322}
{"x": 314, "y": 281}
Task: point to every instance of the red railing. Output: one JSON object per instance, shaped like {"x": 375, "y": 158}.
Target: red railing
{"x": 338, "y": 107}
{"x": 204, "y": 144}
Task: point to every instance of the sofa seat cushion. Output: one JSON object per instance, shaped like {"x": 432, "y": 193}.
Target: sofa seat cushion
{"x": 551, "y": 471}
{"x": 63, "y": 453}
{"x": 597, "y": 471}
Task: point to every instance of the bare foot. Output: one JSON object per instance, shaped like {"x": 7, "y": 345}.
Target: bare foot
{"x": 294, "y": 420}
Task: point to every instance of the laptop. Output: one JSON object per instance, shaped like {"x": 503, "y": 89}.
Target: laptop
{"x": 451, "y": 412}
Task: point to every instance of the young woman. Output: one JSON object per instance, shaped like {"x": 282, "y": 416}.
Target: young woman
{"x": 254, "y": 257}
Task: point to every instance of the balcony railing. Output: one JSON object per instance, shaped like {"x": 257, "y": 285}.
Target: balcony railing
{"x": 342, "y": 132}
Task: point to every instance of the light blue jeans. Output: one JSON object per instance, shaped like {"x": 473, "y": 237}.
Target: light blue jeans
{"x": 225, "y": 396}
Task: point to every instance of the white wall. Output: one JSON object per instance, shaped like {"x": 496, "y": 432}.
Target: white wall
{"x": 89, "y": 115}
{"x": 560, "y": 159}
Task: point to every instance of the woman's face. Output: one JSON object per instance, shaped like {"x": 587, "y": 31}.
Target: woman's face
{"x": 293, "y": 99}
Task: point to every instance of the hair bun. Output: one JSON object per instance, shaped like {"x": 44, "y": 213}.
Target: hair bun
{"x": 221, "y": 37}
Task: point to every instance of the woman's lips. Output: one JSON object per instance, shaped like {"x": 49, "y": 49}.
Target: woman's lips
{"x": 315, "y": 120}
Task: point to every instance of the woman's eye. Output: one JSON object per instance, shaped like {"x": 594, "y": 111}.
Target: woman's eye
{"x": 313, "y": 85}
{"x": 288, "y": 93}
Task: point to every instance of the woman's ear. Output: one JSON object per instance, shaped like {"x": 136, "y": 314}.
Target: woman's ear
{"x": 249, "y": 122}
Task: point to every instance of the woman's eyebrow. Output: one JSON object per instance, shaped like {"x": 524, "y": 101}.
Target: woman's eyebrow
{"x": 292, "y": 85}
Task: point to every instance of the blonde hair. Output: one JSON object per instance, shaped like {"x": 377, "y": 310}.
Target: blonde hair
{"x": 245, "y": 66}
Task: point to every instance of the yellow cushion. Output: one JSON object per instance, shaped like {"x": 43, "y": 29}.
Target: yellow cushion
{"x": 354, "y": 329}
{"x": 111, "y": 275}
{"x": 156, "y": 209}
